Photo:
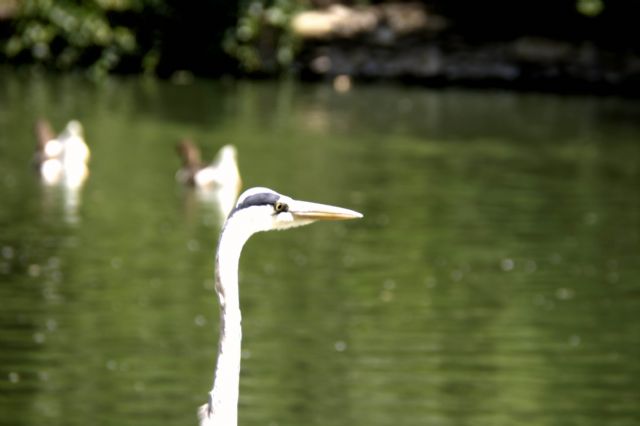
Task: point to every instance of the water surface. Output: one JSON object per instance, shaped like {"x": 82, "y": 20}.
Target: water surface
{"x": 495, "y": 278}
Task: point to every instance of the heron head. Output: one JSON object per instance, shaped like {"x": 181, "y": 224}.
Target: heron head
{"x": 263, "y": 209}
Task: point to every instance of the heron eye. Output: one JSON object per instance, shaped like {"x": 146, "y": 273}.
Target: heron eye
{"x": 280, "y": 207}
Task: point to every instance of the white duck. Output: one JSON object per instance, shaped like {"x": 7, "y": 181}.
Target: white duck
{"x": 222, "y": 171}
{"x": 218, "y": 181}
{"x": 62, "y": 158}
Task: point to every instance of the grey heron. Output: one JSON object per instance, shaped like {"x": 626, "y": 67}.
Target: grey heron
{"x": 257, "y": 210}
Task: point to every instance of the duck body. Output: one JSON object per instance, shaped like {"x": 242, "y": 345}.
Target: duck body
{"x": 217, "y": 183}
{"x": 62, "y": 158}
{"x": 221, "y": 172}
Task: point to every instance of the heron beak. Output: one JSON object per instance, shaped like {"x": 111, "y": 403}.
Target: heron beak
{"x": 316, "y": 211}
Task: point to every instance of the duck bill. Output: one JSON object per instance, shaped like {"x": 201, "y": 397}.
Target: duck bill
{"x": 316, "y": 211}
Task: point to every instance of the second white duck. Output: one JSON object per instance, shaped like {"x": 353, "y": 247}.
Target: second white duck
{"x": 223, "y": 171}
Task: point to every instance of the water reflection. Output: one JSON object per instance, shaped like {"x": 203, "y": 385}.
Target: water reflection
{"x": 62, "y": 196}
{"x": 209, "y": 205}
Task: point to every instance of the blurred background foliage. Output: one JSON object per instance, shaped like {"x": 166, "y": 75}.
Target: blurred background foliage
{"x": 215, "y": 37}
{"x": 65, "y": 34}
{"x": 156, "y": 36}
{"x": 262, "y": 40}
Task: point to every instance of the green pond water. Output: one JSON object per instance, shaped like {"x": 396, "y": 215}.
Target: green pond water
{"x": 493, "y": 281}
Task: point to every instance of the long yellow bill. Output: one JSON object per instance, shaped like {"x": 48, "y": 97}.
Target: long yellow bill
{"x": 317, "y": 211}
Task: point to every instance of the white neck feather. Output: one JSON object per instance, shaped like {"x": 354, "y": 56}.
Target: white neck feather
{"x": 223, "y": 403}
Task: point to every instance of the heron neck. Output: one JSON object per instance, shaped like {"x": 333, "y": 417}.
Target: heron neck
{"x": 224, "y": 395}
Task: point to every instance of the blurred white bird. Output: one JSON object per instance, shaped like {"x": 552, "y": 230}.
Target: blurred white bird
{"x": 62, "y": 158}
{"x": 222, "y": 171}
{"x": 217, "y": 183}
